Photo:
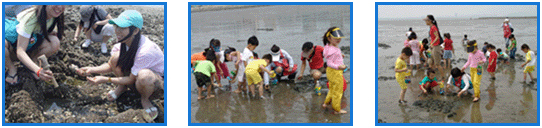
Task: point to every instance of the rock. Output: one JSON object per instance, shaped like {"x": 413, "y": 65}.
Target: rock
{"x": 23, "y": 109}
{"x": 384, "y": 46}
{"x": 130, "y": 116}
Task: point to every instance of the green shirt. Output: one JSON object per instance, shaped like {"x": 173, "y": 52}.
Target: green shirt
{"x": 206, "y": 67}
{"x": 426, "y": 79}
{"x": 512, "y": 45}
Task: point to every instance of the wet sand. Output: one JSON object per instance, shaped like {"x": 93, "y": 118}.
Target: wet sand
{"x": 287, "y": 102}
{"x": 504, "y": 100}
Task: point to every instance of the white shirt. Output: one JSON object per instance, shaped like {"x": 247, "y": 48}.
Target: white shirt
{"x": 465, "y": 79}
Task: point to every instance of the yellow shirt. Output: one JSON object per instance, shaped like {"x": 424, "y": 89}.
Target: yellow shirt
{"x": 255, "y": 65}
{"x": 400, "y": 64}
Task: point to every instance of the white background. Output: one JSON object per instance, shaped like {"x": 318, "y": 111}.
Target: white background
{"x": 364, "y": 66}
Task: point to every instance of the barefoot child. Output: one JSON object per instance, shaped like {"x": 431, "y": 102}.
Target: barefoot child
{"x": 335, "y": 67}
{"x": 460, "y": 80}
{"x": 512, "y": 46}
{"x": 448, "y": 49}
{"x": 429, "y": 81}
{"x": 530, "y": 60}
{"x": 204, "y": 72}
{"x": 492, "y": 60}
{"x": 476, "y": 58}
{"x": 502, "y": 56}
{"x": 253, "y": 70}
{"x": 222, "y": 69}
{"x": 246, "y": 58}
{"x": 401, "y": 72}
{"x": 232, "y": 55}
{"x": 415, "y": 47}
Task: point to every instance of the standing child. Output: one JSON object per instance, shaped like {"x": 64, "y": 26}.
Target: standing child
{"x": 429, "y": 81}
{"x": 335, "y": 67}
{"x": 425, "y": 55}
{"x": 465, "y": 40}
{"x": 448, "y": 49}
{"x": 246, "y": 58}
{"x": 492, "y": 60}
{"x": 401, "y": 72}
{"x": 530, "y": 60}
{"x": 476, "y": 58}
{"x": 253, "y": 70}
{"x": 484, "y": 49}
{"x": 512, "y": 47}
{"x": 232, "y": 55}
{"x": 502, "y": 56}
{"x": 222, "y": 69}
{"x": 415, "y": 47}
{"x": 204, "y": 72}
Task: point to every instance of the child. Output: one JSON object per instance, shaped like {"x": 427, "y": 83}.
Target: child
{"x": 401, "y": 72}
{"x": 502, "y": 56}
{"x": 94, "y": 25}
{"x": 253, "y": 76}
{"x": 484, "y": 49}
{"x": 231, "y": 55}
{"x": 425, "y": 54}
{"x": 415, "y": 47}
{"x": 492, "y": 60}
{"x": 512, "y": 47}
{"x": 429, "y": 81}
{"x": 460, "y": 80}
{"x": 530, "y": 60}
{"x": 465, "y": 40}
{"x": 314, "y": 54}
{"x": 246, "y": 58}
{"x": 203, "y": 71}
{"x": 335, "y": 67}
{"x": 222, "y": 69}
{"x": 476, "y": 58}
{"x": 448, "y": 49}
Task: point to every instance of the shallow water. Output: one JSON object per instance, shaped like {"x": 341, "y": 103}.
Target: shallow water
{"x": 505, "y": 100}
{"x": 286, "y": 26}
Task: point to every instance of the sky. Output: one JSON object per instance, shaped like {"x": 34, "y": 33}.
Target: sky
{"x": 454, "y": 11}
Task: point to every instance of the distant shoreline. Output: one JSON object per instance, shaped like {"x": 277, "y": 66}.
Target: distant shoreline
{"x": 524, "y": 17}
{"x": 205, "y": 8}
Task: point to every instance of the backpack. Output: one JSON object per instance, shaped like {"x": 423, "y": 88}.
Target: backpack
{"x": 11, "y": 30}
{"x": 94, "y": 15}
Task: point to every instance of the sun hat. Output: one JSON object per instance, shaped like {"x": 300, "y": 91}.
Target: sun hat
{"x": 128, "y": 18}
{"x": 275, "y": 52}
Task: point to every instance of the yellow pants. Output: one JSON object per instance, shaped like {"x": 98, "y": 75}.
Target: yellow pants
{"x": 476, "y": 79}
{"x": 335, "y": 78}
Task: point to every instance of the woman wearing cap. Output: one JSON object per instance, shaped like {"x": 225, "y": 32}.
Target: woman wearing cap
{"x": 94, "y": 21}
{"x": 283, "y": 65}
{"x": 507, "y": 29}
{"x": 335, "y": 67}
{"x": 436, "y": 40}
{"x": 136, "y": 61}
{"x": 31, "y": 35}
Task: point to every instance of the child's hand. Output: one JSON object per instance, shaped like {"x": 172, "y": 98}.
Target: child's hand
{"x": 481, "y": 62}
{"x": 425, "y": 91}
{"x": 463, "y": 69}
{"x": 237, "y": 62}
{"x": 459, "y": 94}
{"x": 522, "y": 65}
{"x": 342, "y": 67}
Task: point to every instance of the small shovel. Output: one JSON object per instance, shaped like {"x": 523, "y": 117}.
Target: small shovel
{"x": 45, "y": 65}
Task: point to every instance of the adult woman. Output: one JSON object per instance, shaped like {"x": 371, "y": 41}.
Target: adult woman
{"x": 436, "y": 40}
{"x": 94, "y": 21}
{"x": 33, "y": 36}
{"x": 134, "y": 60}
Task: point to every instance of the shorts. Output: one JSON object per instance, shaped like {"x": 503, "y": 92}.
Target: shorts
{"x": 107, "y": 30}
{"x": 401, "y": 80}
{"x": 202, "y": 79}
{"x": 528, "y": 69}
{"x": 431, "y": 85}
{"x": 491, "y": 68}
{"x": 436, "y": 55}
{"x": 447, "y": 54}
{"x": 322, "y": 70}
{"x": 253, "y": 77}
{"x": 415, "y": 58}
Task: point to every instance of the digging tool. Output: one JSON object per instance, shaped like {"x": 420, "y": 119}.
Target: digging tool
{"x": 45, "y": 65}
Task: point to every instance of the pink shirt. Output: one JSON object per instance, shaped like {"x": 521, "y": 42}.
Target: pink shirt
{"x": 414, "y": 45}
{"x": 333, "y": 56}
{"x": 474, "y": 58}
{"x": 148, "y": 56}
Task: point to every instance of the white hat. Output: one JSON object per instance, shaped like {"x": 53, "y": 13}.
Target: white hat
{"x": 275, "y": 55}
{"x": 506, "y": 20}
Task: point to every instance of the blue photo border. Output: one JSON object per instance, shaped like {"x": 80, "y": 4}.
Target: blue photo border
{"x": 270, "y": 124}
{"x": 456, "y": 124}
{"x": 88, "y": 124}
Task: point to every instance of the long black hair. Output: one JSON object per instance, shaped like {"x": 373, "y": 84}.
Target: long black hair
{"x": 126, "y": 58}
{"x": 326, "y": 41}
{"x": 41, "y": 14}
{"x": 228, "y": 51}
{"x": 430, "y": 17}
{"x": 456, "y": 72}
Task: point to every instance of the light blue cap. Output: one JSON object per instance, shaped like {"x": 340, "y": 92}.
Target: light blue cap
{"x": 128, "y": 18}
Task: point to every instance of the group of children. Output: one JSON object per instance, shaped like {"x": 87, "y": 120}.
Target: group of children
{"x": 457, "y": 78}
{"x": 209, "y": 65}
